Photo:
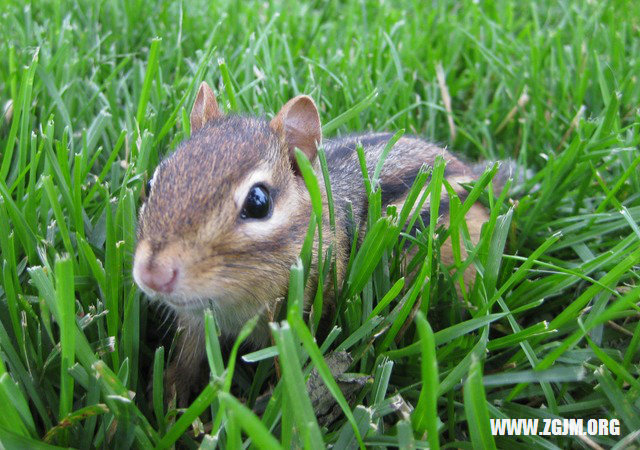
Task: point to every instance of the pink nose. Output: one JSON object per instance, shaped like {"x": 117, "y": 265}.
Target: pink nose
{"x": 160, "y": 278}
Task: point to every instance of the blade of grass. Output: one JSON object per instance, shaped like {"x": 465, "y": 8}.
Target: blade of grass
{"x": 349, "y": 113}
{"x": 206, "y": 397}
{"x": 65, "y": 299}
{"x": 297, "y": 324}
{"x": 475, "y": 406}
{"x": 259, "y": 434}
{"x": 294, "y": 386}
{"x": 425, "y": 416}
{"x": 152, "y": 68}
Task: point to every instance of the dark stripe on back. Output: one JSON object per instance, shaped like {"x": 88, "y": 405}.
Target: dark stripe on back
{"x": 397, "y": 188}
{"x": 425, "y": 215}
{"x": 443, "y": 210}
{"x": 350, "y": 227}
{"x": 372, "y": 140}
{"x": 344, "y": 148}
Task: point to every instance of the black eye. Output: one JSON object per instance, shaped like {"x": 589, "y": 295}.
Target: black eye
{"x": 146, "y": 191}
{"x": 258, "y": 203}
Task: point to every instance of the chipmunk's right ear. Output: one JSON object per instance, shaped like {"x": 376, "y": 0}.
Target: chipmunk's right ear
{"x": 299, "y": 122}
{"x": 205, "y": 108}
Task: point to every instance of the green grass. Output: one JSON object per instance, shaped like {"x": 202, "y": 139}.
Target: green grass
{"x": 94, "y": 94}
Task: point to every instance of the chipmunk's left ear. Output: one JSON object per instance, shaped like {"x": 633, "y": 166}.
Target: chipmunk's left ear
{"x": 205, "y": 108}
{"x": 299, "y": 122}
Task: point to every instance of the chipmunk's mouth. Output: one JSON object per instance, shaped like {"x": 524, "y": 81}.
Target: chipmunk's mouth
{"x": 230, "y": 313}
{"x": 183, "y": 298}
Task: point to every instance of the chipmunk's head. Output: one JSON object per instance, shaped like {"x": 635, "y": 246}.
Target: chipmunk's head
{"x": 226, "y": 213}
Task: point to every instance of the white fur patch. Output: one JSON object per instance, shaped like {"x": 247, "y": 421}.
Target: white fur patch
{"x": 280, "y": 215}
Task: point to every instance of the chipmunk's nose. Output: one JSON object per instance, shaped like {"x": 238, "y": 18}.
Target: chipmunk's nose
{"x": 158, "y": 277}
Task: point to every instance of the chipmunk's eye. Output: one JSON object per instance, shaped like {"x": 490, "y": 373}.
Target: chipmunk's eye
{"x": 146, "y": 191}
{"x": 257, "y": 204}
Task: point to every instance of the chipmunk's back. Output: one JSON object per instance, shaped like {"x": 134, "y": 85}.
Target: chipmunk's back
{"x": 398, "y": 173}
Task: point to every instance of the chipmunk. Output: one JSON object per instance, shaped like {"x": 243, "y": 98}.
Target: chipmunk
{"x": 227, "y": 213}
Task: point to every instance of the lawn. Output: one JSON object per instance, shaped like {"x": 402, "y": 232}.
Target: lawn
{"x": 95, "y": 94}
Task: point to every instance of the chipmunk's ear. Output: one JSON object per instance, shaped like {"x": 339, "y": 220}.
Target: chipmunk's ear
{"x": 205, "y": 108}
{"x": 298, "y": 120}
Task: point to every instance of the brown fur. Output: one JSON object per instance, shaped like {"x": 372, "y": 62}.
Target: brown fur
{"x": 240, "y": 267}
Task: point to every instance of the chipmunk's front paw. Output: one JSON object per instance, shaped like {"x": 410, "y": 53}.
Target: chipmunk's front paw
{"x": 178, "y": 386}
{"x": 183, "y": 383}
